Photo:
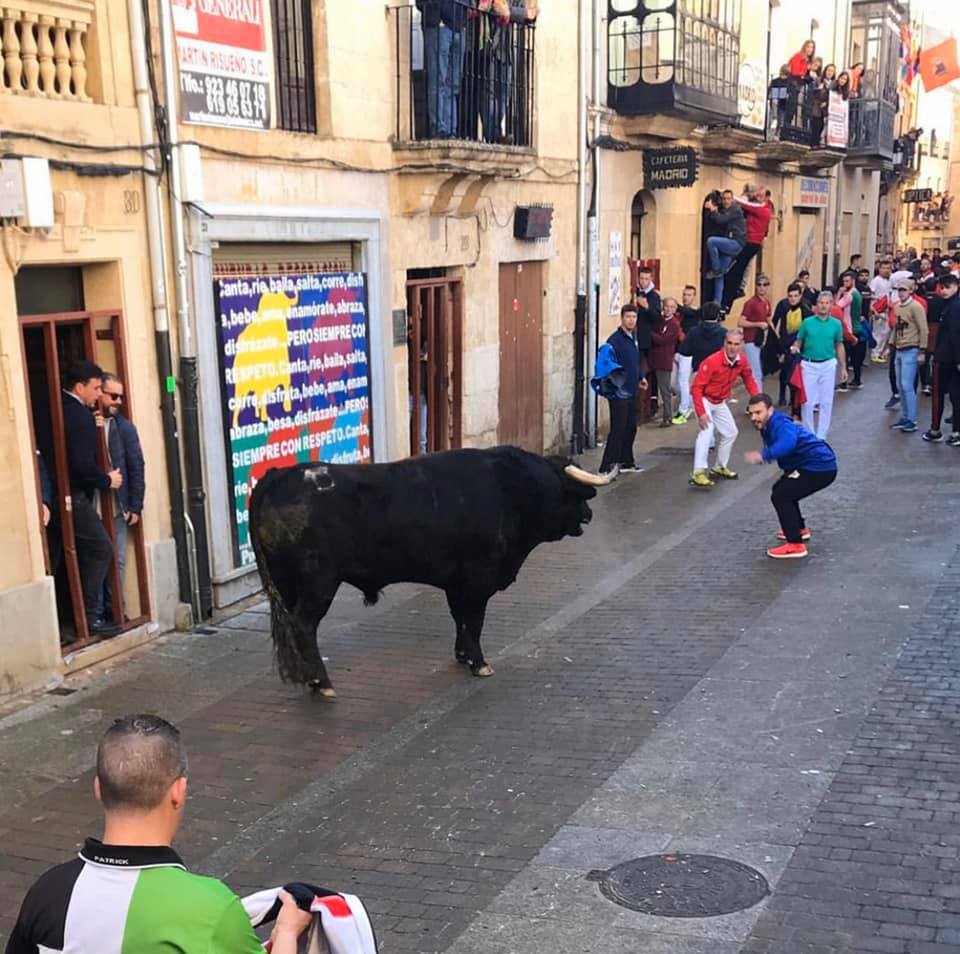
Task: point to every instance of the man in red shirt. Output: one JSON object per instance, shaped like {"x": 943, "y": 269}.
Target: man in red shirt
{"x": 757, "y": 211}
{"x": 754, "y": 321}
{"x": 710, "y": 390}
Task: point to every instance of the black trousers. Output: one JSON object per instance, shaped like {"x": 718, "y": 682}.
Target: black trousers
{"x": 94, "y": 551}
{"x": 734, "y": 278}
{"x": 787, "y": 493}
{"x": 945, "y": 381}
{"x": 856, "y": 354}
{"x": 623, "y": 430}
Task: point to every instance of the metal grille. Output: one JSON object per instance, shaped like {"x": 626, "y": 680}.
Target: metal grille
{"x": 472, "y": 80}
{"x": 293, "y": 47}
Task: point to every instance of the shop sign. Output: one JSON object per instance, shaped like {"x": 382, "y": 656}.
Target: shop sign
{"x": 671, "y": 168}
{"x": 814, "y": 193}
{"x": 295, "y": 377}
{"x": 917, "y": 195}
{"x": 752, "y": 94}
{"x": 838, "y": 115}
{"x": 224, "y": 65}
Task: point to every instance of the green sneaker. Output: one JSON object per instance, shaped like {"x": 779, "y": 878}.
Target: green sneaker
{"x": 725, "y": 473}
{"x": 680, "y": 419}
{"x": 699, "y": 478}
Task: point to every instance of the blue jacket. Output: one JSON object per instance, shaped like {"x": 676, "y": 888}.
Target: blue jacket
{"x": 127, "y": 457}
{"x": 794, "y": 448}
{"x": 609, "y": 374}
{"x": 627, "y": 354}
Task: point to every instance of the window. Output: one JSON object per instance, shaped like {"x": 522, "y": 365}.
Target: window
{"x": 293, "y": 51}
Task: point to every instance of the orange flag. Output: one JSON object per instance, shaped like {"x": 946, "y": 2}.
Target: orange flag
{"x": 938, "y": 65}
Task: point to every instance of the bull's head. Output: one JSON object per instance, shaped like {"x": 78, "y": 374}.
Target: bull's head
{"x": 577, "y": 486}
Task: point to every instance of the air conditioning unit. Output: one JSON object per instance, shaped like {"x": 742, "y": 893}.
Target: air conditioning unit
{"x": 26, "y": 193}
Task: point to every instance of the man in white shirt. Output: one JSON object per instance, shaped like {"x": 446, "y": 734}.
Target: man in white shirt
{"x": 881, "y": 287}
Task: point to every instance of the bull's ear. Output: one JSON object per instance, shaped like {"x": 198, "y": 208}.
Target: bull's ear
{"x": 559, "y": 461}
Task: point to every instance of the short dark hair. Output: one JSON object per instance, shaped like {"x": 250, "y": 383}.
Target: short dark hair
{"x": 803, "y": 273}
{"x": 691, "y": 287}
{"x": 855, "y": 255}
{"x": 629, "y": 308}
{"x": 79, "y": 372}
{"x": 644, "y": 270}
{"x": 794, "y": 287}
{"x": 710, "y": 311}
{"x": 138, "y": 759}
{"x": 949, "y": 279}
{"x": 760, "y": 399}
{"x": 849, "y": 273}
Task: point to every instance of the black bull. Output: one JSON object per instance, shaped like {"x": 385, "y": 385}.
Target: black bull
{"x": 463, "y": 521}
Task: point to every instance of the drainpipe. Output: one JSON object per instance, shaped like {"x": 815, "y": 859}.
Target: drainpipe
{"x": 192, "y": 455}
{"x": 593, "y": 224}
{"x": 580, "y": 366}
{"x": 161, "y": 318}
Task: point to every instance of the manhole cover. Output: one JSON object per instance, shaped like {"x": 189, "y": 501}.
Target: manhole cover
{"x": 682, "y": 886}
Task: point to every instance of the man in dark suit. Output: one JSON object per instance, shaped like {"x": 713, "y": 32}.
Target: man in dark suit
{"x": 82, "y": 384}
{"x": 123, "y": 446}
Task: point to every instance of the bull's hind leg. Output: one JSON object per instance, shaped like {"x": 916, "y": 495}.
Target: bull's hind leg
{"x": 468, "y": 613}
{"x": 310, "y": 612}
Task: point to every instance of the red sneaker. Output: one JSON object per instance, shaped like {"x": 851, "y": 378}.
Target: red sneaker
{"x": 788, "y": 551}
{"x": 804, "y": 535}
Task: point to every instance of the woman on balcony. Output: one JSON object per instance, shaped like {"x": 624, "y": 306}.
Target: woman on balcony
{"x": 800, "y": 61}
{"x": 842, "y": 85}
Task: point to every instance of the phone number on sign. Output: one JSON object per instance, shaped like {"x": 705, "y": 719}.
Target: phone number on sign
{"x": 235, "y": 99}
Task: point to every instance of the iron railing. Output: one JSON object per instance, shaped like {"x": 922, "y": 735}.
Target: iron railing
{"x": 293, "y": 43}
{"x": 871, "y": 128}
{"x": 469, "y": 79}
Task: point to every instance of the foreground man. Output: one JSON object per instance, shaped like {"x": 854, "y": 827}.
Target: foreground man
{"x": 711, "y": 390}
{"x": 808, "y": 464}
{"x": 130, "y": 893}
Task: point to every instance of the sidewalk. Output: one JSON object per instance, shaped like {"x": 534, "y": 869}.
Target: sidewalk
{"x": 660, "y": 685}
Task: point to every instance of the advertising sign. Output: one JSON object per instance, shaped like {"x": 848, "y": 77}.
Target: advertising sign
{"x": 838, "y": 114}
{"x": 295, "y": 377}
{"x": 671, "y": 168}
{"x": 752, "y": 94}
{"x": 224, "y": 65}
{"x": 814, "y": 193}
{"x": 917, "y": 195}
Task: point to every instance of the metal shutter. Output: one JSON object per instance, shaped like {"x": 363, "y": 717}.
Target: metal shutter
{"x": 235, "y": 260}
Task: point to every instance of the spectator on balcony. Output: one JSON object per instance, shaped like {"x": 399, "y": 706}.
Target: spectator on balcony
{"x": 723, "y": 248}
{"x": 444, "y": 25}
{"x": 496, "y": 68}
{"x": 842, "y": 85}
{"x": 757, "y": 211}
{"x": 856, "y": 79}
{"x": 829, "y": 75}
{"x": 817, "y": 106}
{"x": 800, "y": 61}
{"x": 783, "y": 93}
{"x": 814, "y": 72}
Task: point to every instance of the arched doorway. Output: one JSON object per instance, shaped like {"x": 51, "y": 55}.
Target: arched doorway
{"x": 643, "y": 236}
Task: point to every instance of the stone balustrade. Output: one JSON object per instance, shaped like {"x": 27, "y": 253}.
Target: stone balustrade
{"x": 44, "y": 48}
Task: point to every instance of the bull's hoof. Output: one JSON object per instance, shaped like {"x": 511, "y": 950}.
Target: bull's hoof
{"x": 328, "y": 692}
{"x": 484, "y": 670}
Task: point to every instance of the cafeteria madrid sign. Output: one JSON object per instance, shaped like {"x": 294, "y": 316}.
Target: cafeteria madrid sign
{"x": 672, "y": 168}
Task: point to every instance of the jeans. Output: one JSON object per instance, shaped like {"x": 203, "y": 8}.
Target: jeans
{"x": 443, "y": 61}
{"x": 623, "y": 430}
{"x": 819, "y": 378}
{"x": 725, "y": 427}
{"x": 906, "y": 359}
{"x": 753, "y": 359}
{"x": 105, "y": 602}
{"x": 787, "y": 493}
{"x": 722, "y": 252}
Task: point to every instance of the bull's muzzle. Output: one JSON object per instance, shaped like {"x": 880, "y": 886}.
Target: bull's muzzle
{"x": 585, "y": 477}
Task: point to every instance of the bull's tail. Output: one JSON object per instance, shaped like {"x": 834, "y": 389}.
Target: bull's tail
{"x": 287, "y": 630}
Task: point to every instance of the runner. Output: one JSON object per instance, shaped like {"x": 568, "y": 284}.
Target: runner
{"x": 808, "y": 464}
{"x": 820, "y": 342}
{"x": 711, "y": 390}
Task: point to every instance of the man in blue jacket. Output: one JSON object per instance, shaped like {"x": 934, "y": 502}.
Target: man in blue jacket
{"x": 123, "y": 445}
{"x": 808, "y": 464}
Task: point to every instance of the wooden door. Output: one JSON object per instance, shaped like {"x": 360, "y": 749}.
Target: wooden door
{"x": 521, "y": 355}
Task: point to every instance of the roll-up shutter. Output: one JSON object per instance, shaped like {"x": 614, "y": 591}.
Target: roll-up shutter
{"x": 236, "y": 260}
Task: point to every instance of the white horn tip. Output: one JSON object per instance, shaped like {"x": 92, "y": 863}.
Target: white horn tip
{"x": 585, "y": 477}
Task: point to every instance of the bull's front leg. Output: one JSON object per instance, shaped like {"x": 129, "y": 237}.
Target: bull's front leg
{"x": 468, "y": 614}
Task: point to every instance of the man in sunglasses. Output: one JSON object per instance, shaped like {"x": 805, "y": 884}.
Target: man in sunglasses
{"x": 123, "y": 445}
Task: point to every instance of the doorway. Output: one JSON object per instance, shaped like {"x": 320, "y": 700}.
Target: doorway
{"x": 521, "y": 355}
{"x": 434, "y": 361}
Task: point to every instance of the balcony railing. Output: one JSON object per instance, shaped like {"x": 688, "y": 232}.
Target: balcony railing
{"x": 44, "y": 49}
{"x": 871, "y": 129}
{"x": 463, "y": 75}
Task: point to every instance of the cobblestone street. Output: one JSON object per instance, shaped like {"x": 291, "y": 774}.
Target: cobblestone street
{"x": 660, "y": 686}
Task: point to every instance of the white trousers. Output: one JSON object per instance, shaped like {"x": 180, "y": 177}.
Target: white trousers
{"x": 756, "y": 366}
{"x": 881, "y": 332}
{"x": 725, "y": 427}
{"x": 819, "y": 378}
{"x": 683, "y": 368}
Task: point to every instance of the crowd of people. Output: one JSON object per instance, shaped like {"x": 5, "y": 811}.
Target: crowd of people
{"x": 933, "y": 211}
{"x": 809, "y": 344}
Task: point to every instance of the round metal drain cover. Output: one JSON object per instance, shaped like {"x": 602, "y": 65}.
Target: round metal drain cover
{"x": 682, "y": 886}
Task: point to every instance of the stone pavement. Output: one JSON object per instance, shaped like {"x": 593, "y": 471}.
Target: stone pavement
{"x": 660, "y": 685}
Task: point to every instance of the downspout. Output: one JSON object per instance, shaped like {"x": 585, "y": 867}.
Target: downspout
{"x": 158, "y": 281}
{"x": 581, "y": 368}
{"x": 593, "y": 224}
{"x": 192, "y": 454}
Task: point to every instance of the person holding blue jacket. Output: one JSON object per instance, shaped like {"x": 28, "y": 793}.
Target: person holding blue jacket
{"x": 808, "y": 464}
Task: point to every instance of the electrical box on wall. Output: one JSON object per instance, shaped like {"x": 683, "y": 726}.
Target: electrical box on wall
{"x": 191, "y": 173}
{"x": 26, "y": 193}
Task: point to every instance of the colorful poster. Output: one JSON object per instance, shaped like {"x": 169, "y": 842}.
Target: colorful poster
{"x": 224, "y": 65}
{"x": 295, "y": 377}
{"x": 752, "y": 94}
{"x": 614, "y": 273}
{"x": 838, "y": 113}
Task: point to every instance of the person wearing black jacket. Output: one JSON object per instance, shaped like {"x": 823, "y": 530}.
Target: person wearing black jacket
{"x": 946, "y": 367}
{"x": 82, "y": 385}
{"x": 730, "y": 226}
{"x": 706, "y": 338}
{"x": 444, "y": 26}
{"x": 787, "y": 318}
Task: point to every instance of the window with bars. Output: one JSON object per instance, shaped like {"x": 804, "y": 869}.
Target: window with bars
{"x": 293, "y": 52}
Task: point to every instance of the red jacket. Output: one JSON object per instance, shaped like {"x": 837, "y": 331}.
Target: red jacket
{"x": 758, "y": 220}
{"x": 799, "y": 64}
{"x": 716, "y": 377}
{"x": 664, "y": 335}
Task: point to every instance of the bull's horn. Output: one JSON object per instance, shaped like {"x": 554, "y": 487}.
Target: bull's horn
{"x": 585, "y": 477}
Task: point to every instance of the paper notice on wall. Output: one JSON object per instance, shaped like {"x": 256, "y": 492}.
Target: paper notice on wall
{"x": 224, "y": 65}
{"x": 805, "y": 251}
{"x": 614, "y": 295}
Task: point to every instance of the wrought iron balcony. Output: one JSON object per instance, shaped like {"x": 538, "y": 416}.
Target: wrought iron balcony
{"x": 462, "y": 75}
{"x": 680, "y": 58}
{"x": 871, "y": 132}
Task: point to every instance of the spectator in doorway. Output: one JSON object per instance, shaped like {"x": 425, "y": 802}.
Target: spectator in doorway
{"x": 728, "y": 220}
{"x": 444, "y": 24}
{"x": 123, "y": 446}
{"x": 664, "y": 337}
{"x": 82, "y": 385}
{"x": 648, "y": 306}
